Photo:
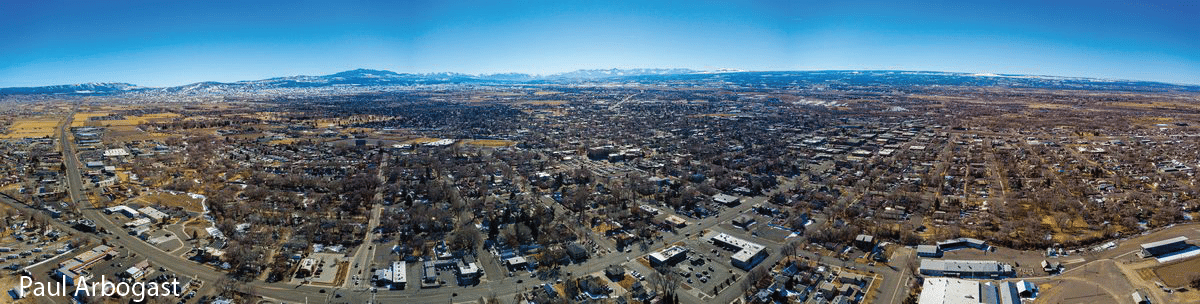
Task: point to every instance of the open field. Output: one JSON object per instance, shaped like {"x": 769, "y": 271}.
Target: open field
{"x": 33, "y": 127}
{"x": 84, "y": 119}
{"x": 132, "y": 133}
{"x": 171, "y": 200}
{"x": 545, "y": 102}
{"x": 1178, "y": 274}
{"x": 422, "y": 140}
{"x": 490, "y": 142}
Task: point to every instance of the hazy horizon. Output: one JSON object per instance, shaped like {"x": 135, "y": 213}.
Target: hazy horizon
{"x": 168, "y": 44}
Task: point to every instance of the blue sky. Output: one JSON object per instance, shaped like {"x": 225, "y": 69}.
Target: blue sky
{"x": 166, "y": 43}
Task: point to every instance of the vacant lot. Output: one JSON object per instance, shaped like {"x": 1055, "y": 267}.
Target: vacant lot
{"x": 33, "y": 127}
{"x": 84, "y": 119}
{"x": 171, "y": 200}
{"x": 1178, "y": 274}
{"x": 490, "y": 142}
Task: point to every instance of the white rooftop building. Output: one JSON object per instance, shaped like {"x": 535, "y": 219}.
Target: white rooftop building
{"x": 115, "y": 153}
{"x": 667, "y": 255}
{"x": 748, "y": 253}
{"x": 154, "y": 214}
{"x": 394, "y": 277}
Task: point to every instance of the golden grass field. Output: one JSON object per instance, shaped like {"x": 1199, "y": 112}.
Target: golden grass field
{"x": 84, "y": 119}
{"x": 421, "y": 140}
{"x": 490, "y": 142}
{"x": 1178, "y": 274}
{"x": 34, "y": 127}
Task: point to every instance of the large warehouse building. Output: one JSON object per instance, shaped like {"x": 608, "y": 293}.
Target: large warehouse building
{"x": 965, "y": 269}
{"x": 957, "y": 291}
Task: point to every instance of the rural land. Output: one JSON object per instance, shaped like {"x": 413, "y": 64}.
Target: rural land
{"x": 607, "y": 186}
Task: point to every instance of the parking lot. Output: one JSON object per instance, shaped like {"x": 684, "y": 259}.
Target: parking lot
{"x": 707, "y": 268}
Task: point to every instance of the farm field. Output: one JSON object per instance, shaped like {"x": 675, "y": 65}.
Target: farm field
{"x": 34, "y": 127}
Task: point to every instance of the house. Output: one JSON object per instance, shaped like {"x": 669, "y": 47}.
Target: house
{"x": 576, "y": 252}
{"x": 866, "y": 242}
{"x": 594, "y": 287}
{"x": 743, "y": 221}
{"x": 1051, "y": 267}
{"x": 615, "y": 273}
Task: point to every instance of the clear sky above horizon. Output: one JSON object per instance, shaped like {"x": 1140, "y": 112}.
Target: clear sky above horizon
{"x": 168, "y": 43}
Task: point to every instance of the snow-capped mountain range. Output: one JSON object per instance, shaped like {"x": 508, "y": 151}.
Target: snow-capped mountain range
{"x": 384, "y": 78}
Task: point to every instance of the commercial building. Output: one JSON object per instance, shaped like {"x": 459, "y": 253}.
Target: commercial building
{"x": 154, "y": 214}
{"x": 71, "y": 270}
{"x": 726, "y": 199}
{"x": 468, "y": 274}
{"x": 516, "y": 263}
{"x": 669, "y": 255}
{"x": 965, "y": 269}
{"x": 123, "y": 210}
{"x": 395, "y": 277}
{"x": 676, "y": 221}
{"x": 929, "y": 251}
{"x": 748, "y": 254}
{"x": 957, "y": 291}
{"x": 959, "y": 243}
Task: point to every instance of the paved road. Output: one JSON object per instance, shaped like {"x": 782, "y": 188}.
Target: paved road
{"x": 364, "y": 255}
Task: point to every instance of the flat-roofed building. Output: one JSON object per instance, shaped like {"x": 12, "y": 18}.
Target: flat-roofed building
{"x": 929, "y": 251}
{"x": 669, "y": 255}
{"x": 726, "y": 199}
{"x": 153, "y": 214}
{"x": 747, "y": 255}
{"x": 952, "y": 244}
{"x": 394, "y": 277}
{"x": 676, "y": 221}
{"x": 123, "y": 210}
{"x": 965, "y": 269}
{"x": 468, "y": 274}
{"x": 958, "y": 291}
{"x": 516, "y": 263}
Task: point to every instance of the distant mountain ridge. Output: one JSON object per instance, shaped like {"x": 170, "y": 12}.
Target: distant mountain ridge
{"x": 370, "y": 77}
